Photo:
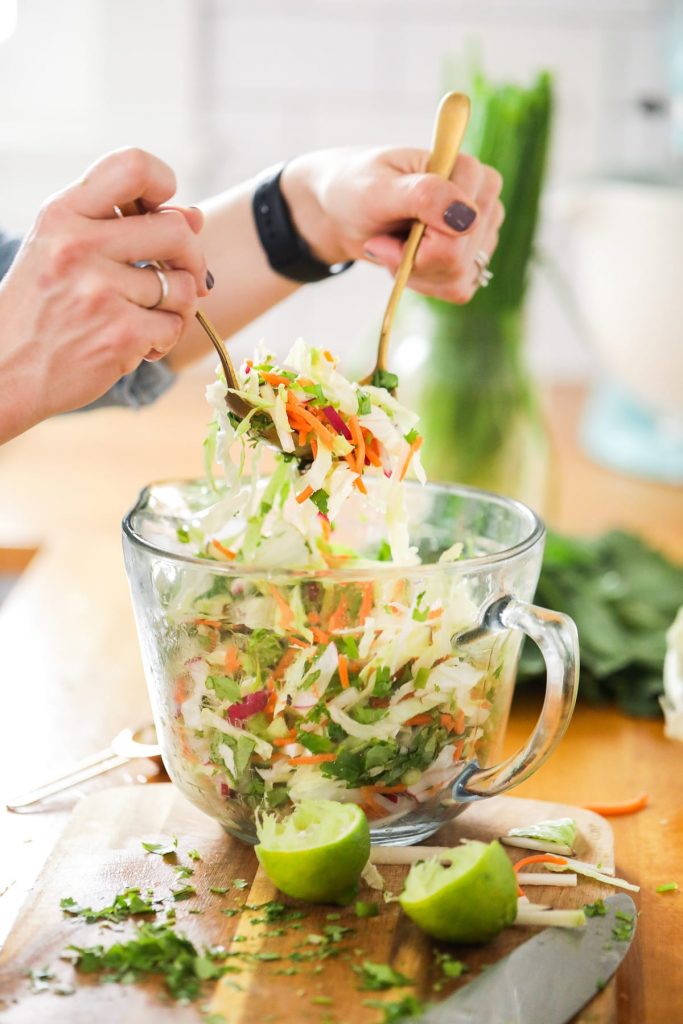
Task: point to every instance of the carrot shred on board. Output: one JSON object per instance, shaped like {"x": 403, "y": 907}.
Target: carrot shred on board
{"x": 623, "y": 807}
{"x": 230, "y": 555}
{"x": 539, "y": 858}
{"x": 344, "y": 671}
{"x": 232, "y": 660}
{"x": 312, "y": 758}
{"x": 306, "y": 493}
{"x": 414, "y": 447}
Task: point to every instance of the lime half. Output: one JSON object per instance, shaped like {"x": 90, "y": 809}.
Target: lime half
{"x": 317, "y": 853}
{"x": 470, "y": 901}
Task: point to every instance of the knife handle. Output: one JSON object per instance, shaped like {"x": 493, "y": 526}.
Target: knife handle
{"x": 557, "y": 638}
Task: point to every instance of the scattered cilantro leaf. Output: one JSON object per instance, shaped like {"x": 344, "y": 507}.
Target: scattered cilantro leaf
{"x": 597, "y": 909}
{"x": 450, "y": 967}
{"x": 402, "y": 1009}
{"x": 366, "y": 909}
{"x": 165, "y": 849}
{"x": 667, "y": 887}
{"x": 377, "y": 977}
{"x": 124, "y": 905}
{"x": 184, "y": 893}
{"x": 240, "y": 883}
{"x": 320, "y": 499}
{"x": 385, "y": 379}
{"x": 220, "y": 890}
{"x": 364, "y": 403}
{"x": 623, "y": 930}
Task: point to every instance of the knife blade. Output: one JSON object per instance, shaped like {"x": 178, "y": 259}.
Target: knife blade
{"x": 547, "y": 979}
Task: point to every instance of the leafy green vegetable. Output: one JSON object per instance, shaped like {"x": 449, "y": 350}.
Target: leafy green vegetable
{"x": 164, "y": 849}
{"x": 623, "y": 930}
{"x": 401, "y": 1009}
{"x": 376, "y": 977}
{"x": 597, "y": 909}
{"x": 368, "y": 909}
{"x": 385, "y": 379}
{"x": 184, "y": 893}
{"x": 320, "y": 499}
{"x": 558, "y": 830}
{"x": 667, "y": 887}
{"x": 155, "y": 949}
{"x": 623, "y": 596}
{"x": 124, "y": 905}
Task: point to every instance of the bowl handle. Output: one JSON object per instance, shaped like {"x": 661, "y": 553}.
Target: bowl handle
{"x": 556, "y": 636}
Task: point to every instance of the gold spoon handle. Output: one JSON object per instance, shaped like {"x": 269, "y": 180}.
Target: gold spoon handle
{"x": 449, "y": 130}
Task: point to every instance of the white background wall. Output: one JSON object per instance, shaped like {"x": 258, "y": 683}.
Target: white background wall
{"x": 222, "y": 88}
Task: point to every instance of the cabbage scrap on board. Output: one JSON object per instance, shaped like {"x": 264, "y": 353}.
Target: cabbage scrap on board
{"x": 556, "y": 835}
{"x": 315, "y": 686}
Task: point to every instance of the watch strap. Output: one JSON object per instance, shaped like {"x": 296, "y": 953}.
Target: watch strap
{"x": 287, "y": 252}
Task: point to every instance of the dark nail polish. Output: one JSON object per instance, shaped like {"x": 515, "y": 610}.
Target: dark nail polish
{"x": 459, "y": 216}
{"x": 209, "y": 280}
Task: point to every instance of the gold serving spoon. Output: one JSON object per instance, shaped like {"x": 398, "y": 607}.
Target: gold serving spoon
{"x": 449, "y": 130}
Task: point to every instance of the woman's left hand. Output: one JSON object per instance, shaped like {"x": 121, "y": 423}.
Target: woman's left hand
{"x": 358, "y": 203}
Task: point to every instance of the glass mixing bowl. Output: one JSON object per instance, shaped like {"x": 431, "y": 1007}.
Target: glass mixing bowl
{"x": 388, "y": 686}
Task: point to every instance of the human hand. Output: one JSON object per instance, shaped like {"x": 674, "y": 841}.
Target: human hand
{"x": 75, "y": 315}
{"x": 357, "y": 203}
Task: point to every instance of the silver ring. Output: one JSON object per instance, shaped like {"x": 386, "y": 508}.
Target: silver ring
{"x": 483, "y": 278}
{"x": 163, "y": 281}
{"x": 481, "y": 259}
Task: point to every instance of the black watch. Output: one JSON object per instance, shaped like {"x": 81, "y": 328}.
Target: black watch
{"x": 287, "y": 252}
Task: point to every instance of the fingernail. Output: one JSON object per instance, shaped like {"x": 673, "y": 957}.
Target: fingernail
{"x": 459, "y": 216}
{"x": 209, "y": 280}
{"x": 369, "y": 255}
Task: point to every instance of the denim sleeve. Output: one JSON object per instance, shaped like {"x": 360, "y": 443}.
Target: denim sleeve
{"x": 141, "y": 387}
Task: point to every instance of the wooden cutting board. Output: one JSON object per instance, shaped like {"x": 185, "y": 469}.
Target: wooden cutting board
{"x": 100, "y": 854}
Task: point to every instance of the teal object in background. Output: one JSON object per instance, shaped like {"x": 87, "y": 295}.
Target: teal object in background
{"x": 624, "y": 436}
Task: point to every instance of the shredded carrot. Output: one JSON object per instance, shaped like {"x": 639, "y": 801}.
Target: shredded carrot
{"x": 539, "y": 858}
{"x": 314, "y": 445}
{"x": 312, "y": 758}
{"x": 423, "y": 719}
{"x": 284, "y": 662}
{"x": 269, "y": 709}
{"x": 180, "y": 690}
{"x": 415, "y": 446}
{"x": 373, "y": 458}
{"x": 366, "y": 603}
{"x": 436, "y": 613}
{"x": 302, "y": 438}
{"x": 344, "y": 671}
{"x": 213, "y": 623}
{"x": 325, "y": 527}
{"x": 360, "y": 486}
{"x": 624, "y": 807}
{"x": 297, "y": 642}
{"x": 328, "y": 355}
{"x": 460, "y": 722}
{"x": 296, "y": 410}
{"x": 313, "y": 618}
{"x": 359, "y": 441}
{"x": 457, "y": 750}
{"x": 320, "y": 636}
{"x": 303, "y": 382}
{"x": 232, "y": 660}
{"x": 283, "y": 741}
{"x": 351, "y": 461}
{"x": 338, "y": 618}
{"x": 286, "y": 613}
{"x": 230, "y": 555}
{"x": 367, "y": 793}
{"x": 275, "y": 379}
{"x": 306, "y": 493}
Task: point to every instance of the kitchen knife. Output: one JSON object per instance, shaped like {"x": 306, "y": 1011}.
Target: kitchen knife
{"x": 547, "y": 979}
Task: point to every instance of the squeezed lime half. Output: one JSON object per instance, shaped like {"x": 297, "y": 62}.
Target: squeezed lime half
{"x": 317, "y": 853}
{"x": 471, "y": 901}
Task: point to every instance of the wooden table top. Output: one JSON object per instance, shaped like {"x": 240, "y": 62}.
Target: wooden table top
{"x": 72, "y": 676}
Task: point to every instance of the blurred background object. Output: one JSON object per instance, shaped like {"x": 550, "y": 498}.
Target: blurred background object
{"x": 464, "y": 367}
{"x": 221, "y": 90}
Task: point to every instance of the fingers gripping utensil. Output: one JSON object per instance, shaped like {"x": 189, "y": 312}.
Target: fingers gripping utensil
{"x": 449, "y": 130}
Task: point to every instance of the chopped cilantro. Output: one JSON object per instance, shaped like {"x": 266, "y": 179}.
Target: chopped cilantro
{"x": 322, "y": 1000}
{"x": 240, "y": 883}
{"x": 220, "y": 890}
{"x": 384, "y": 551}
{"x": 335, "y": 932}
{"x": 183, "y": 535}
{"x": 364, "y": 403}
{"x": 376, "y": 977}
{"x": 184, "y": 893}
{"x": 450, "y": 967}
{"x": 125, "y": 904}
{"x": 364, "y": 909}
{"x": 155, "y": 949}
{"x": 320, "y": 499}
{"x": 623, "y": 930}
{"x": 667, "y": 887}
{"x": 224, "y": 687}
{"x": 411, "y": 436}
{"x": 194, "y": 855}
{"x": 165, "y": 849}
{"x": 385, "y": 379}
{"x": 402, "y": 1009}
{"x": 597, "y": 909}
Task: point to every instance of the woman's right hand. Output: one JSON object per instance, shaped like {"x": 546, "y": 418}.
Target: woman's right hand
{"x": 75, "y": 315}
